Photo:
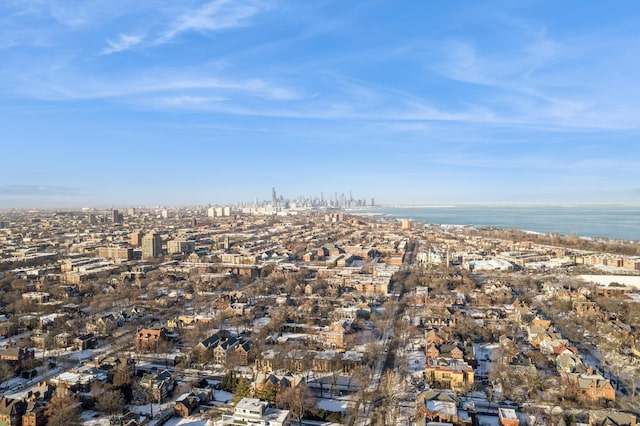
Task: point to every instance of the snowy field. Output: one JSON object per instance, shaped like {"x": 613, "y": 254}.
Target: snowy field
{"x": 628, "y": 280}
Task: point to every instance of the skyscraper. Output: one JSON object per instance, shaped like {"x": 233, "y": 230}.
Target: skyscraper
{"x": 274, "y": 199}
{"x": 151, "y": 245}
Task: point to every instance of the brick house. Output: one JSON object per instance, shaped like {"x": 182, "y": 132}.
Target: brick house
{"x": 149, "y": 339}
{"x": 593, "y": 387}
{"x": 11, "y": 411}
{"x": 18, "y": 357}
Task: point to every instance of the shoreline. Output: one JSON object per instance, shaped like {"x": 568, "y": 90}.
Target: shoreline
{"x": 606, "y": 222}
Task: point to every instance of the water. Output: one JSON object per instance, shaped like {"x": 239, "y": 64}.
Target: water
{"x": 615, "y": 221}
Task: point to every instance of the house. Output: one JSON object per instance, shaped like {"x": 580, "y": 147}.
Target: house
{"x": 41, "y": 392}
{"x": 521, "y": 365}
{"x": 86, "y": 341}
{"x": 593, "y": 387}
{"x": 333, "y": 336}
{"x": 432, "y": 337}
{"x": 210, "y": 342}
{"x": 297, "y": 360}
{"x": 149, "y": 339}
{"x": 449, "y": 373}
{"x": 327, "y": 361}
{"x": 34, "y": 415}
{"x": 586, "y": 309}
{"x": 436, "y": 406}
{"x": 241, "y": 354}
{"x": 267, "y": 361}
{"x": 451, "y": 351}
{"x": 611, "y": 418}
{"x": 438, "y": 316}
{"x": 432, "y": 351}
{"x": 258, "y": 413}
{"x": 223, "y": 348}
{"x": 186, "y": 404}
{"x": 134, "y": 419}
{"x": 62, "y": 340}
{"x": 569, "y": 362}
{"x": 278, "y": 381}
{"x": 8, "y": 328}
{"x": 11, "y": 411}
{"x": 508, "y": 417}
{"x": 160, "y": 385}
{"x": 18, "y": 357}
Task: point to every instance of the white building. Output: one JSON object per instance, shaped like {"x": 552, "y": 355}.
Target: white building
{"x": 252, "y": 411}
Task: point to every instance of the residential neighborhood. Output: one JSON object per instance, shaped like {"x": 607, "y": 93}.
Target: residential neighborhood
{"x": 280, "y": 315}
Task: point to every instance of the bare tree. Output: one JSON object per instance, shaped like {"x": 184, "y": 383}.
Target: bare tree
{"x": 63, "y": 409}
{"x": 110, "y": 401}
{"x": 297, "y": 400}
{"x": 6, "y": 371}
{"x": 362, "y": 376}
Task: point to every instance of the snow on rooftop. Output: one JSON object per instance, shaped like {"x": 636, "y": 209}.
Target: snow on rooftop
{"x": 335, "y": 405}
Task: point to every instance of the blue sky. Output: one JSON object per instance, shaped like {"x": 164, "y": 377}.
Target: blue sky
{"x": 142, "y": 102}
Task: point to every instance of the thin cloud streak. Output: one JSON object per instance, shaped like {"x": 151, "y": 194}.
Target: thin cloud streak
{"x": 213, "y": 16}
{"x": 30, "y": 190}
{"x": 58, "y": 88}
{"x": 124, "y": 42}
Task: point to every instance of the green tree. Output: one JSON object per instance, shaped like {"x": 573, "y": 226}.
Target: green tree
{"x": 242, "y": 390}
{"x": 229, "y": 381}
{"x": 268, "y": 392}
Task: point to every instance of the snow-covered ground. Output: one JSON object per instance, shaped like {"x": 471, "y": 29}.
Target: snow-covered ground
{"x": 484, "y": 353}
{"x": 416, "y": 361}
{"x": 93, "y": 418}
{"x": 222, "y": 396}
{"x": 628, "y": 280}
{"x": 335, "y": 405}
{"x": 187, "y": 421}
{"x": 261, "y": 322}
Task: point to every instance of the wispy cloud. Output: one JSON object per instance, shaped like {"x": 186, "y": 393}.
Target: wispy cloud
{"x": 29, "y": 190}
{"x": 66, "y": 87}
{"x": 214, "y": 16}
{"x": 123, "y": 42}
{"x": 188, "y": 101}
{"x": 535, "y": 84}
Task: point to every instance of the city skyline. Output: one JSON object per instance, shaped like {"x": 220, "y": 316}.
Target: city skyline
{"x": 216, "y": 102}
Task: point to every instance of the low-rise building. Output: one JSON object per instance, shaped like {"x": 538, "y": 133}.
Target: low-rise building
{"x": 256, "y": 412}
{"x": 449, "y": 373}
